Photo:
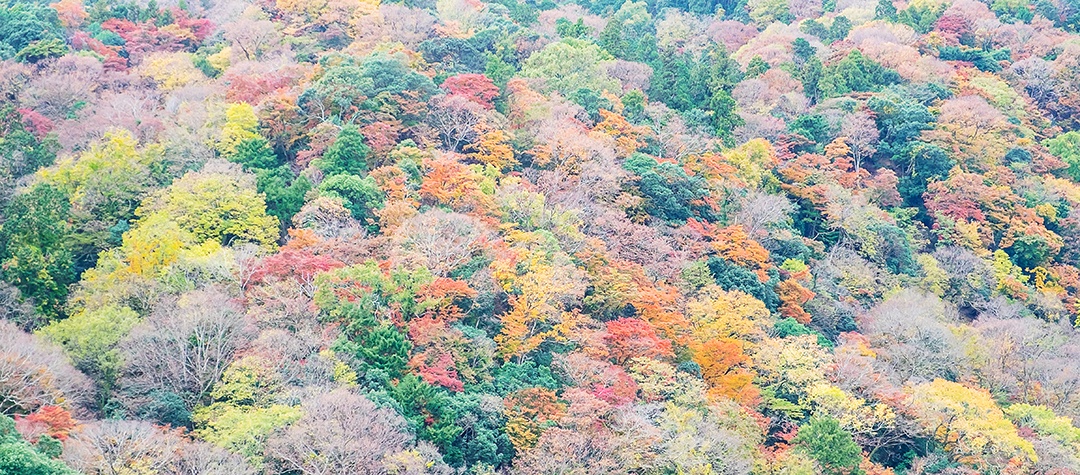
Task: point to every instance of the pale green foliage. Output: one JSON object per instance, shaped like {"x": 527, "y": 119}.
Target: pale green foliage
{"x": 1000, "y": 94}
{"x": 854, "y": 414}
{"x": 216, "y": 205}
{"x": 1045, "y": 423}
{"x": 658, "y": 380}
{"x": 114, "y": 161}
{"x": 1067, "y": 147}
{"x": 570, "y": 65}
{"x": 244, "y": 413}
{"x": 177, "y": 244}
{"x": 104, "y": 183}
{"x": 764, "y": 12}
{"x": 242, "y": 429}
{"x": 90, "y": 336}
{"x": 717, "y": 439}
{"x": 791, "y": 366}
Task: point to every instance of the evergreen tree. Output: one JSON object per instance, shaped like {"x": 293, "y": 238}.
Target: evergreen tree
{"x": 885, "y": 10}
{"x": 347, "y": 155}
{"x": 611, "y": 38}
{"x": 756, "y": 67}
{"x": 35, "y": 248}
{"x": 831, "y": 446}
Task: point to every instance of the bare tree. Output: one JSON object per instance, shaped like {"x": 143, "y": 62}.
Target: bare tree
{"x": 200, "y": 458}
{"x": 632, "y": 75}
{"x": 911, "y": 332}
{"x": 107, "y": 447}
{"x": 113, "y": 447}
{"x": 438, "y": 240}
{"x": 568, "y": 451}
{"x": 252, "y": 33}
{"x": 455, "y": 118}
{"x": 328, "y": 218}
{"x": 340, "y": 433}
{"x": 862, "y": 135}
{"x": 184, "y": 346}
{"x": 1037, "y": 76}
{"x": 14, "y": 309}
{"x": 65, "y": 82}
{"x": 1031, "y": 360}
{"x": 35, "y": 373}
{"x": 760, "y": 211}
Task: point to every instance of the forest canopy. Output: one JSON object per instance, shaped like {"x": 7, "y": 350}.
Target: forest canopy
{"x": 533, "y": 237}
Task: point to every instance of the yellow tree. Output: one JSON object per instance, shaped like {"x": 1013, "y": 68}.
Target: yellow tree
{"x": 170, "y": 70}
{"x": 542, "y": 286}
{"x": 723, "y": 325}
{"x": 241, "y": 124}
{"x": 493, "y": 148}
{"x": 717, "y": 313}
{"x": 969, "y": 424}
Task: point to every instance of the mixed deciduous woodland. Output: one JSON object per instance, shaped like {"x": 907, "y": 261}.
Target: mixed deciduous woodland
{"x": 539, "y": 237}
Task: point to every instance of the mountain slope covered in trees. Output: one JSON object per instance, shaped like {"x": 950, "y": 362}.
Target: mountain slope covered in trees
{"x": 533, "y": 237}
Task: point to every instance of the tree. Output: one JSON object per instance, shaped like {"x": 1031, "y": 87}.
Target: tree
{"x": 347, "y": 155}
{"x": 802, "y": 50}
{"x": 110, "y": 447}
{"x": 862, "y": 136}
{"x": 911, "y": 334}
{"x": 170, "y": 71}
{"x": 30, "y": 32}
{"x": 968, "y": 424}
{"x": 568, "y": 451}
{"x": 474, "y": 87}
{"x": 831, "y": 446}
{"x": 90, "y": 337}
{"x": 885, "y": 10}
{"x": 378, "y": 84}
{"x": 716, "y": 314}
{"x": 731, "y": 277}
{"x": 217, "y": 204}
{"x": 252, "y": 33}
{"x": 629, "y": 338}
{"x": 347, "y": 433}
{"x": 456, "y": 118}
{"x": 244, "y": 412}
{"x": 899, "y": 120}
{"x": 361, "y": 196}
{"x": 425, "y": 407}
{"x": 527, "y": 411}
{"x": 105, "y": 185}
{"x": 973, "y": 130}
{"x": 241, "y": 125}
{"x": 921, "y": 16}
{"x": 764, "y": 12}
{"x": 25, "y": 148}
{"x": 35, "y": 248}
{"x": 570, "y": 65}
{"x": 494, "y": 148}
{"x": 1067, "y": 147}
{"x": 17, "y": 457}
{"x": 541, "y": 290}
{"x": 671, "y": 194}
{"x": 182, "y": 349}
{"x": 855, "y": 73}
{"x": 714, "y": 438}
{"x": 35, "y": 373}
{"x": 439, "y": 241}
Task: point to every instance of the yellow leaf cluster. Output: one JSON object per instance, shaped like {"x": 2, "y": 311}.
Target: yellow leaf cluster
{"x": 170, "y": 70}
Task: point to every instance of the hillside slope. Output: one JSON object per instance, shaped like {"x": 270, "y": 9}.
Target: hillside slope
{"x": 539, "y": 237}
